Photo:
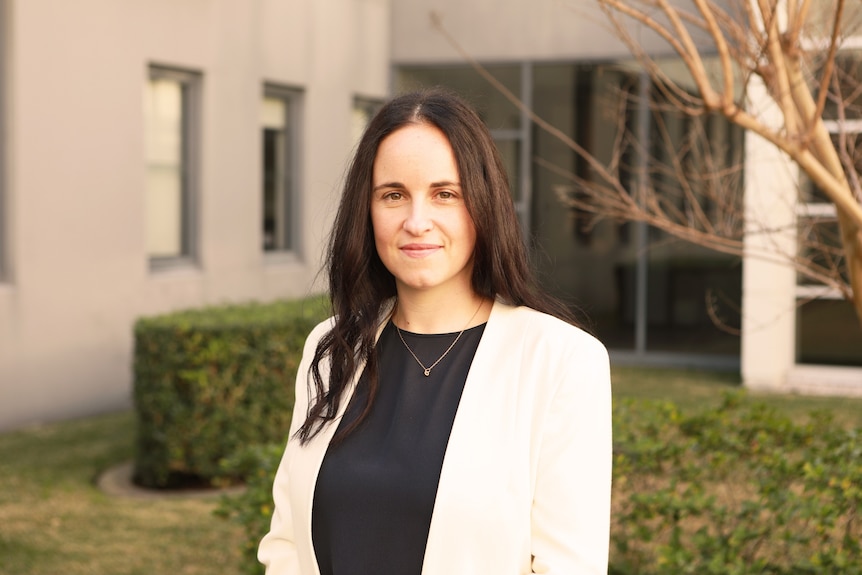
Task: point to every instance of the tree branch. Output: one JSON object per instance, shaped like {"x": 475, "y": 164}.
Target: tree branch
{"x": 829, "y": 66}
{"x": 706, "y": 11}
{"x": 782, "y": 91}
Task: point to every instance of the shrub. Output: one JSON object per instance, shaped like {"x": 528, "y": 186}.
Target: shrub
{"x": 252, "y": 508}
{"x": 208, "y": 382}
{"x": 736, "y": 490}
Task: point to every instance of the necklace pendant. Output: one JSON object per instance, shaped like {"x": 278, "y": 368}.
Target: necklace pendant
{"x": 427, "y": 370}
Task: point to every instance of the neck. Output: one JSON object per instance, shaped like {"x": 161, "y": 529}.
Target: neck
{"x": 426, "y": 313}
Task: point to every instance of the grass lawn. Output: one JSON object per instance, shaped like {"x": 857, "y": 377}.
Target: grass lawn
{"x": 53, "y": 518}
{"x": 692, "y": 390}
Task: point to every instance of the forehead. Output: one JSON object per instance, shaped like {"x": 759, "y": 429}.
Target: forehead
{"x": 415, "y": 148}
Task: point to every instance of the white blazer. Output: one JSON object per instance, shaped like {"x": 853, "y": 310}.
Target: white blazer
{"x": 526, "y": 480}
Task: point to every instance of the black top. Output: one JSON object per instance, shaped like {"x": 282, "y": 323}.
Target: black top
{"x": 375, "y": 491}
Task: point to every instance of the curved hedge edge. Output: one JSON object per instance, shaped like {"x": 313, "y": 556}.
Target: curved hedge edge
{"x": 209, "y": 382}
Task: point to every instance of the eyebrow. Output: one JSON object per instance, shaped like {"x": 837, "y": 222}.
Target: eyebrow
{"x": 400, "y": 186}
{"x": 397, "y": 185}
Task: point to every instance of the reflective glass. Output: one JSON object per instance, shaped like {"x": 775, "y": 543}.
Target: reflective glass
{"x": 497, "y": 112}
{"x": 164, "y": 108}
{"x": 828, "y": 333}
{"x": 588, "y": 262}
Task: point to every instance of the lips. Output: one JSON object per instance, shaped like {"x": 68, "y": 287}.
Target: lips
{"x": 419, "y": 250}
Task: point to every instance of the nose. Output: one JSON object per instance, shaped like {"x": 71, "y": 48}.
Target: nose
{"x": 418, "y": 220}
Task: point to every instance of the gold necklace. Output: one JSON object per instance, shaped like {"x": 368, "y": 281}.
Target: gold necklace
{"x": 427, "y": 370}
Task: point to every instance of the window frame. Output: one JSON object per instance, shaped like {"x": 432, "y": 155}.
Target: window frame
{"x": 367, "y": 105}
{"x": 814, "y": 209}
{"x": 289, "y": 241}
{"x": 191, "y": 83}
{"x": 823, "y": 210}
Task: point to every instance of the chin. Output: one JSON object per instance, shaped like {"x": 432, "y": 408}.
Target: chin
{"x": 418, "y": 283}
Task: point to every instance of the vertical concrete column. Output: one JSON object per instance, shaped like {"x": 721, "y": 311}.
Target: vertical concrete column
{"x": 768, "y": 281}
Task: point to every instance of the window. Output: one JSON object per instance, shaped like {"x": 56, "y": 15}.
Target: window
{"x": 827, "y": 327}
{"x": 280, "y": 130}
{"x": 171, "y": 110}
{"x": 646, "y": 294}
{"x": 363, "y": 110}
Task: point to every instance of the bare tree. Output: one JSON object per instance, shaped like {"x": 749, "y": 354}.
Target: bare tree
{"x": 788, "y": 49}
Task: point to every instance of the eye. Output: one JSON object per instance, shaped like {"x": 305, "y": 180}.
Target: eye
{"x": 393, "y": 196}
{"x": 446, "y": 195}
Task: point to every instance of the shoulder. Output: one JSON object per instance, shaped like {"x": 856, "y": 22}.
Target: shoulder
{"x": 535, "y": 328}
{"x": 567, "y": 367}
{"x": 317, "y": 333}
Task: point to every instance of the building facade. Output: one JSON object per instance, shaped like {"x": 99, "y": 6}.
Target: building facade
{"x": 158, "y": 155}
{"x": 652, "y": 298}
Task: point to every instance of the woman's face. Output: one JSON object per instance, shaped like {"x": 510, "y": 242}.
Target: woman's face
{"x": 422, "y": 230}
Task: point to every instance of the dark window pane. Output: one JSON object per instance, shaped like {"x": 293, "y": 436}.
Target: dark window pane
{"x": 270, "y": 188}
{"x": 277, "y": 174}
{"x": 584, "y": 261}
{"x": 694, "y": 297}
{"x": 845, "y": 93}
{"x": 820, "y": 250}
{"x": 510, "y": 151}
{"x": 828, "y": 333}
{"x": 849, "y": 146}
{"x": 497, "y": 112}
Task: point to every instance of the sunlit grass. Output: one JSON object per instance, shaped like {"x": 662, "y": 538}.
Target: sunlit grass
{"x": 53, "y": 518}
{"x": 693, "y": 389}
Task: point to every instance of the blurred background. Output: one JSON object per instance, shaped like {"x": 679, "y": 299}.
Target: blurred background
{"x": 158, "y": 155}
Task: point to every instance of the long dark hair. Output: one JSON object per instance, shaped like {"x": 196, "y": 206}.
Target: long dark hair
{"x": 360, "y": 285}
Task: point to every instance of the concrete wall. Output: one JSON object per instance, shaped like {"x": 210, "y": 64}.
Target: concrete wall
{"x": 494, "y": 30}
{"x": 76, "y": 273}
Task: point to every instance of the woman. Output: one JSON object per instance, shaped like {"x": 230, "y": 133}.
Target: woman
{"x": 449, "y": 418}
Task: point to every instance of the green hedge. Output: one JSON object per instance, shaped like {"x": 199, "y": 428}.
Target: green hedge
{"x": 209, "y": 382}
{"x": 731, "y": 491}
{"x": 735, "y": 491}
{"x": 252, "y": 509}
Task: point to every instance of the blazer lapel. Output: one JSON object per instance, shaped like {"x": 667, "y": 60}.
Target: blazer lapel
{"x": 484, "y": 427}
